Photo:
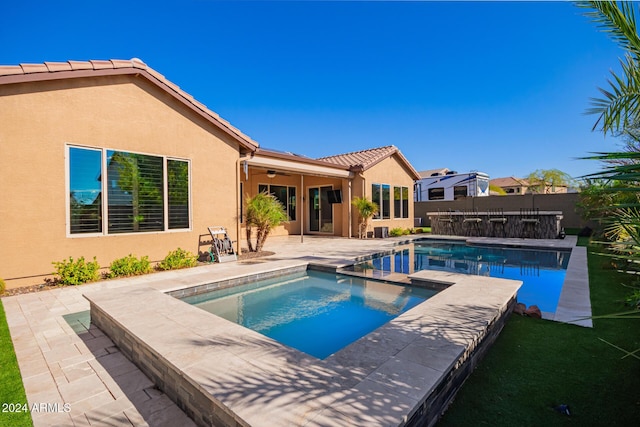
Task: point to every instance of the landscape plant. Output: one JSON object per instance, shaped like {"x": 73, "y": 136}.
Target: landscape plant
{"x": 3, "y": 286}
{"x": 264, "y": 212}
{"x": 544, "y": 181}
{"x": 398, "y": 231}
{"x": 76, "y": 272}
{"x": 129, "y": 266}
{"x": 178, "y": 259}
{"x": 366, "y": 210}
{"x": 618, "y": 114}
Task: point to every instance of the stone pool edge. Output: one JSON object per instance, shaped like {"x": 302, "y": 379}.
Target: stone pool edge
{"x": 432, "y": 348}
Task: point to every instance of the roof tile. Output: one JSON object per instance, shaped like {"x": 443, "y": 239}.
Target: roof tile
{"x": 34, "y": 68}
{"x": 363, "y": 158}
{"x": 57, "y": 66}
{"x": 101, "y": 65}
{"x": 80, "y": 65}
{"x": 121, "y": 63}
{"x": 9, "y": 70}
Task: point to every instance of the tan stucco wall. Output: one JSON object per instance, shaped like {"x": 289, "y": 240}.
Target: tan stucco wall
{"x": 37, "y": 120}
{"x": 389, "y": 171}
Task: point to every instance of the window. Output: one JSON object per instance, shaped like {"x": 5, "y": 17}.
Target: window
{"x": 85, "y": 190}
{"x": 285, "y": 195}
{"x": 436, "y": 193}
{"x": 380, "y": 194}
{"x": 460, "y": 191}
{"x": 178, "y": 193}
{"x": 401, "y": 202}
{"x": 144, "y": 192}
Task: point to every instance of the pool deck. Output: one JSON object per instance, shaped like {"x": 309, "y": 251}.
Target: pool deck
{"x": 82, "y": 367}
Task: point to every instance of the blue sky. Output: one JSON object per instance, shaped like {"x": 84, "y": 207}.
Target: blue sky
{"x": 499, "y": 87}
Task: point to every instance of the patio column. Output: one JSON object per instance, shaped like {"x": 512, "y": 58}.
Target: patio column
{"x": 301, "y": 204}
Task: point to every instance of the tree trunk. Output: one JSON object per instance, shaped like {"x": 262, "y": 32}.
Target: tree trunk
{"x": 262, "y": 236}
{"x": 249, "y": 231}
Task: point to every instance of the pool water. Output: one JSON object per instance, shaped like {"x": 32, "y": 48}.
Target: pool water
{"x": 541, "y": 271}
{"x": 314, "y": 312}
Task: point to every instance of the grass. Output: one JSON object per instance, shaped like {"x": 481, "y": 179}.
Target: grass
{"x": 11, "y": 388}
{"x": 536, "y": 365}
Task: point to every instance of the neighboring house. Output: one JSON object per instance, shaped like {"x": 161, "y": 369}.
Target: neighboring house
{"x": 445, "y": 184}
{"x": 109, "y": 158}
{"x": 512, "y": 185}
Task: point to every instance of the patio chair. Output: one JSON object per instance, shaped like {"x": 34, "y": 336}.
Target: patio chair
{"x": 472, "y": 222}
{"x": 497, "y": 220}
{"x": 530, "y": 222}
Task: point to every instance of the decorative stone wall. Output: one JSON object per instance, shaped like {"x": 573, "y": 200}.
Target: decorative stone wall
{"x": 547, "y": 228}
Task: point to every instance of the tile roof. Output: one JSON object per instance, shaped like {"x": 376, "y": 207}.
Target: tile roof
{"x": 509, "y": 181}
{"x": 72, "y": 69}
{"x": 430, "y": 172}
{"x": 365, "y": 159}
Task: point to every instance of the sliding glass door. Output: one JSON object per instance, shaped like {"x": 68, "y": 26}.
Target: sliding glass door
{"x": 320, "y": 210}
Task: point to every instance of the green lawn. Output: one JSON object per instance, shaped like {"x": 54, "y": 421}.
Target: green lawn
{"x": 11, "y": 390}
{"x": 537, "y": 364}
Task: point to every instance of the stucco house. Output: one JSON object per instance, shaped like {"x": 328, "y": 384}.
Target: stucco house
{"x": 109, "y": 158}
{"x": 512, "y": 185}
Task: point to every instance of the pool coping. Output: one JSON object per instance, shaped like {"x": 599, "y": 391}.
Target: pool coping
{"x": 392, "y": 376}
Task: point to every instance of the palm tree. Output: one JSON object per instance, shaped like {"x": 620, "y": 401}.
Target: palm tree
{"x": 619, "y": 110}
{"x": 619, "y": 114}
{"x": 366, "y": 209}
{"x": 265, "y": 212}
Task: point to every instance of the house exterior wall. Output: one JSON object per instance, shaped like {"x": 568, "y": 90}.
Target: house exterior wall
{"x": 389, "y": 171}
{"x": 37, "y": 122}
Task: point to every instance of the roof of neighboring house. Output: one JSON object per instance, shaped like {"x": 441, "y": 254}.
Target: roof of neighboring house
{"x": 23, "y": 73}
{"x": 509, "y": 181}
{"x": 365, "y": 159}
{"x": 430, "y": 172}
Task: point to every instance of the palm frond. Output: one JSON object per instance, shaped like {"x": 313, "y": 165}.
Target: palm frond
{"x": 617, "y": 20}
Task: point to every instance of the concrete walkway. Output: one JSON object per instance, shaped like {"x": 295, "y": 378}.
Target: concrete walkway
{"x": 79, "y": 366}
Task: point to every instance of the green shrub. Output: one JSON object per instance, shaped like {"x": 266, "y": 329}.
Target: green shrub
{"x": 3, "y": 286}
{"x": 178, "y": 259}
{"x": 70, "y": 272}
{"x": 394, "y": 232}
{"x": 129, "y": 266}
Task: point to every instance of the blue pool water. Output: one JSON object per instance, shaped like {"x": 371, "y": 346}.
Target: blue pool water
{"x": 317, "y": 313}
{"x": 541, "y": 271}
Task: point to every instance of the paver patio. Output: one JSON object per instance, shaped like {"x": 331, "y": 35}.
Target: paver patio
{"x": 81, "y": 367}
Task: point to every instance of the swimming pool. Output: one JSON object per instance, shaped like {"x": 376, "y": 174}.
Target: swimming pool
{"x": 542, "y": 271}
{"x": 315, "y": 312}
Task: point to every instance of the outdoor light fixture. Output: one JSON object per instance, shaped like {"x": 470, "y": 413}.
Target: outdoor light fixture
{"x": 271, "y": 174}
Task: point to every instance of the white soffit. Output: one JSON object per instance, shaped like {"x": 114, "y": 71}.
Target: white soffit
{"x": 297, "y": 167}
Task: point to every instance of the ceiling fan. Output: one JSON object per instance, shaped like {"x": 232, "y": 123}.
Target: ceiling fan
{"x": 272, "y": 173}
